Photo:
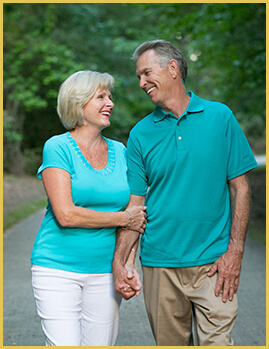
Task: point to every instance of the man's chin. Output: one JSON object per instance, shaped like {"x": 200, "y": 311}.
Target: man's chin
{"x": 153, "y": 100}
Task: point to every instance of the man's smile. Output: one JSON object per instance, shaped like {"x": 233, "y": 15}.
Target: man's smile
{"x": 150, "y": 90}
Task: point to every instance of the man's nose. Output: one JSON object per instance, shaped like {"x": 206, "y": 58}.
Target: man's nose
{"x": 142, "y": 82}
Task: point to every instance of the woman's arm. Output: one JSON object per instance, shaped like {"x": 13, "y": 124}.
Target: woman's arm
{"x": 57, "y": 184}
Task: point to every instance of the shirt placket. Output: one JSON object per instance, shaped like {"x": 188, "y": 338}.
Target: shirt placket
{"x": 179, "y": 135}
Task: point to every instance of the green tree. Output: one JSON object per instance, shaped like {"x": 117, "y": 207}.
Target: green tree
{"x": 45, "y": 43}
{"x": 34, "y": 67}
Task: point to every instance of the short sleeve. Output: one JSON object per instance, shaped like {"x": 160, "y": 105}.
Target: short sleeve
{"x": 240, "y": 156}
{"x": 136, "y": 169}
{"x": 55, "y": 154}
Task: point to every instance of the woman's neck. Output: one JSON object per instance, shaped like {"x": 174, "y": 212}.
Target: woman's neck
{"x": 86, "y": 136}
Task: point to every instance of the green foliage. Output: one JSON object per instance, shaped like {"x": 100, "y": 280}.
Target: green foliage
{"x": 12, "y": 139}
{"x": 9, "y": 132}
{"x": 44, "y": 43}
{"x": 32, "y": 160}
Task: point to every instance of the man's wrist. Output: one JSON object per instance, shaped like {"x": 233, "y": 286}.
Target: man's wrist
{"x": 117, "y": 263}
{"x": 237, "y": 246}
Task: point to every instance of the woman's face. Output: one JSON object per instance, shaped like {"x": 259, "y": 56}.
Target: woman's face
{"x": 98, "y": 110}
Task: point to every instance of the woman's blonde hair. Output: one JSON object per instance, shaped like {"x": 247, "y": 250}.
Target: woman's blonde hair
{"x": 76, "y": 91}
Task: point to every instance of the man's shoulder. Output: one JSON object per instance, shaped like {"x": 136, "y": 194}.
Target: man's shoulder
{"x": 144, "y": 125}
{"x": 216, "y": 111}
{"x": 216, "y": 106}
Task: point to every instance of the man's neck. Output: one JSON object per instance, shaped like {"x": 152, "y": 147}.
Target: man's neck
{"x": 177, "y": 105}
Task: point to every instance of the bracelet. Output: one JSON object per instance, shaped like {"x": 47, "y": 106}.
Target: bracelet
{"x": 133, "y": 250}
{"x": 128, "y": 226}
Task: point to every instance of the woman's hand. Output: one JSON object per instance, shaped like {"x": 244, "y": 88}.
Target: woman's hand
{"x": 133, "y": 275}
{"x": 139, "y": 218}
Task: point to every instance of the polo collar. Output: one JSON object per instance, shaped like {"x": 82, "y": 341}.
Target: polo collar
{"x": 195, "y": 105}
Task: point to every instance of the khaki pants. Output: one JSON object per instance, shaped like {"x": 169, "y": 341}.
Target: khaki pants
{"x": 180, "y": 300}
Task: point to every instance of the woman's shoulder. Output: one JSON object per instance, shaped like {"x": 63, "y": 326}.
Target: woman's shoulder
{"x": 57, "y": 140}
{"x": 117, "y": 144}
{"x": 57, "y": 144}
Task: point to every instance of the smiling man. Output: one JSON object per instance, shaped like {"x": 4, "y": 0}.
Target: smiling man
{"x": 187, "y": 163}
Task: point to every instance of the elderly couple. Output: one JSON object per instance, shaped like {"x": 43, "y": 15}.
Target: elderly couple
{"x": 181, "y": 184}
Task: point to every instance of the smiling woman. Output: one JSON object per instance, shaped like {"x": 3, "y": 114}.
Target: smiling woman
{"x": 85, "y": 178}
{"x": 99, "y": 108}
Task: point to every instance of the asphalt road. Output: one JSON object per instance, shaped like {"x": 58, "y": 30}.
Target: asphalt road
{"x": 21, "y": 326}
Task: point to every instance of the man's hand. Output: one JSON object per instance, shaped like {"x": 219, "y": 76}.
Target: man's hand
{"x": 228, "y": 267}
{"x": 132, "y": 274}
{"x": 129, "y": 286}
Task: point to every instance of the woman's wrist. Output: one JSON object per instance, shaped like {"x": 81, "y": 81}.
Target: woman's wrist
{"x": 127, "y": 219}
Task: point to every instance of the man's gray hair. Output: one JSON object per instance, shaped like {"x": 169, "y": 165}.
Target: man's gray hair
{"x": 165, "y": 51}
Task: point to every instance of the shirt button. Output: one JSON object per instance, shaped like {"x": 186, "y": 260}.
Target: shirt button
{"x": 179, "y": 137}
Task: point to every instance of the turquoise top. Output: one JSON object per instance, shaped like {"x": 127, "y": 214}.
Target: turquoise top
{"x": 183, "y": 166}
{"x": 82, "y": 250}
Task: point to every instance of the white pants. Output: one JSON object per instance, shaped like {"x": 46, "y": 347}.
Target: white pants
{"x": 76, "y": 309}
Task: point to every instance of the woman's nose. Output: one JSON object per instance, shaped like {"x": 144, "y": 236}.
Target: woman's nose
{"x": 109, "y": 103}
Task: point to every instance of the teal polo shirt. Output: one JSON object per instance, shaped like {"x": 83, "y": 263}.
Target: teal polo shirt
{"x": 183, "y": 165}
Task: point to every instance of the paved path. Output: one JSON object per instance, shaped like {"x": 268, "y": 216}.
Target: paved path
{"x": 22, "y": 326}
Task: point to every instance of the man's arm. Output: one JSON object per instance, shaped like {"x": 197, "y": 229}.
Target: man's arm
{"x": 126, "y": 239}
{"x": 228, "y": 265}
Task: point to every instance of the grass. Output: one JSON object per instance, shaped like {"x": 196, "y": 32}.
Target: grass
{"x": 23, "y": 212}
{"x": 22, "y": 196}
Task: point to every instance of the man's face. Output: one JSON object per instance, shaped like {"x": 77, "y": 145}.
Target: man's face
{"x": 154, "y": 80}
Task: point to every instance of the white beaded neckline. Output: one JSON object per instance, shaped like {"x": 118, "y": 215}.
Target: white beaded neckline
{"x": 111, "y": 156}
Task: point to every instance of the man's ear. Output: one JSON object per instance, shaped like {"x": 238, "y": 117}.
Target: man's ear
{"x": 173, "y": 68}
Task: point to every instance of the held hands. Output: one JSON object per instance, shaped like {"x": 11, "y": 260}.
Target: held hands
{"x": 137, "y": 218}
{"x": 126, "y": 281}
{"x": 133, "y": 276}
{"x": 228, "y": 267}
